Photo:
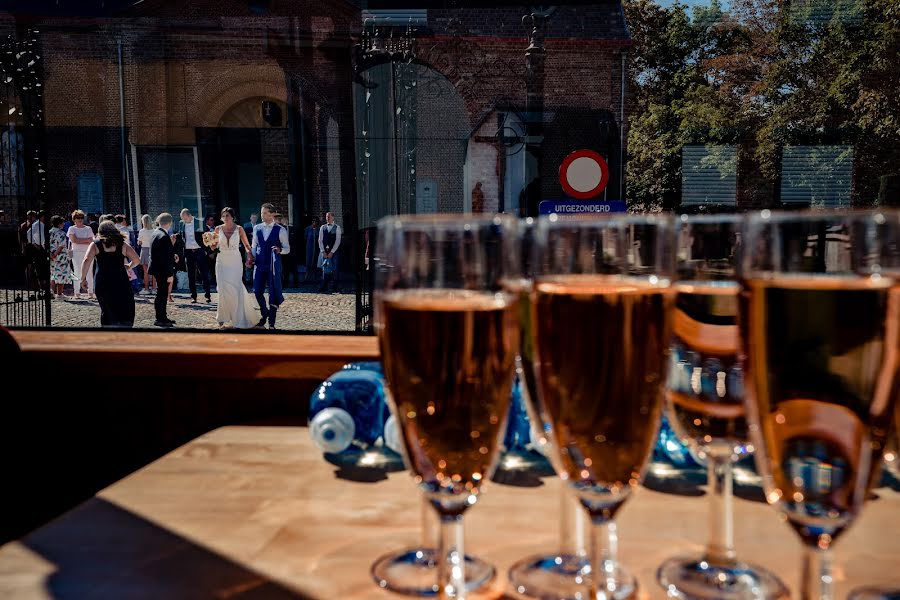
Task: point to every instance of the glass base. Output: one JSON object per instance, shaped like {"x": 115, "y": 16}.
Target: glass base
{"x": 875, "y": 593}
{"x": 413, "y": 572}
{"x": 561, "y": 577}
{"x": 697, "y": 578}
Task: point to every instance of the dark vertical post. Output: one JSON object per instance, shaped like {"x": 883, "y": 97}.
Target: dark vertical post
{"x": 535, "y": 55}
{"x": 394, "y": 118}
{"x": 133, "y": 217}
{"x": 622, "y": 129}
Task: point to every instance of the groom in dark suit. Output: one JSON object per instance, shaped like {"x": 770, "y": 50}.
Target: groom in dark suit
{"x": 162, "y": 266}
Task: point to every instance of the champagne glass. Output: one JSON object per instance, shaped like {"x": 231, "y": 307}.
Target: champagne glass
{"x": 559, "y": 575}
{"x": 704, "y": 404}
{"x": 820, "y": 328}
{"x": 602, "y": 299}
{"x": 892, "y": 464}
{"x": 448, "y": 331}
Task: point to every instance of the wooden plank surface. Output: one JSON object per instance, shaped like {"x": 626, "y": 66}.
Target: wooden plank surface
{"x": 256, "y": 512}
{"x": 222, "y": 355}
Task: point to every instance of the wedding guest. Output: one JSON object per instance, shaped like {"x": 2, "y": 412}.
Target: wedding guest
{"x": 112, "y": 287}
{"x": 289, "y": 261}
{"x": 143, "y": 241}
{"x": 311, "y": 235}
{"x": 81, "y": 237}
{"x": 60, "y": 274}
{"x": 189, "y": 244}
{"x": 162, "y": 266}
{"x": 122, "y": 226}
{"x": 209, "y": 226}
{"x": 329, "y": 246}
{"x": 248, "y": 226}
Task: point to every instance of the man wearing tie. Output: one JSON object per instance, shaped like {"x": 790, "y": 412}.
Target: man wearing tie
{"x": 189, "y": 242}
{"x": 270, "y": 243}
{"x": 329, "y": 243}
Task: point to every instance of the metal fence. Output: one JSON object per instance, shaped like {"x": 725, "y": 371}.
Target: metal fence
{"x": 365, "y": 278}
{"x": 24, "y": 272}
{"x": 23, "y": 308}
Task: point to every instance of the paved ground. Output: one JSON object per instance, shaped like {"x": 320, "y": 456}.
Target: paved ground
{"x": 304, "y": 309}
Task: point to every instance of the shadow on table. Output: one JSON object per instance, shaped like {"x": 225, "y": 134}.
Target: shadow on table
{"x": 100, "y": 550}
{"x": 889, "y": 481}
{"x": 666, "y": 479}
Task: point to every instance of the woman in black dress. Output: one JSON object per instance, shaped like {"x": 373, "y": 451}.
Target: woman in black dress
{"x": 111, "y": 283}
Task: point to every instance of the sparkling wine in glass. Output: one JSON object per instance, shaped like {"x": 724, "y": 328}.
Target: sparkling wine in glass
{"x": 704, "y": 405}
{"x": 602, "y": 312}
{"x": 561, "y": 573}
{"x": 448, "y": 331}
{"x": 820, "y": 327}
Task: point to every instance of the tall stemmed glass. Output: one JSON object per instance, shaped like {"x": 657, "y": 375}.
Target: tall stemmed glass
{"x": 602, "y": 300}
{"x": 820, "y": 327}
{"x": 704, "y": 404}
{"x": 560, "y": 574}
{"x": 448, "y": 329}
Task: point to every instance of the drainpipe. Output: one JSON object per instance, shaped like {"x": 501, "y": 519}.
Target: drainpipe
{"x": 622, "y": 131}
{"x": 125, "y": 188}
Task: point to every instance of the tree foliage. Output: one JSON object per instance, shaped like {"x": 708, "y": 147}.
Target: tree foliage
{"x": 764, "y": 75}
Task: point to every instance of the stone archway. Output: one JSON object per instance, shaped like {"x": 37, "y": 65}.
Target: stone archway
{"x": 222, "y": 98}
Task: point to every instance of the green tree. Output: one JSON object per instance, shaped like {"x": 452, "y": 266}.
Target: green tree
{"x": 674, "y": 100}
{"x": 764, "y": 74}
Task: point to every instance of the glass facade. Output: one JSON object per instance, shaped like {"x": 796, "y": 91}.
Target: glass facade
{"x": 366, "y": 109}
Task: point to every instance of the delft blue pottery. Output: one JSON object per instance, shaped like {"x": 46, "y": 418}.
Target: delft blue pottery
{"x": 349, "y": 407}
{"x": 518, "y": 428}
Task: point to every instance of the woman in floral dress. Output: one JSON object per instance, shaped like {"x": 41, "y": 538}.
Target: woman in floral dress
{"x": 60, "y": 273}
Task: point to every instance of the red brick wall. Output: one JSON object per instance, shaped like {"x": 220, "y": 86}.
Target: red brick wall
{"x": 186, "y": 64}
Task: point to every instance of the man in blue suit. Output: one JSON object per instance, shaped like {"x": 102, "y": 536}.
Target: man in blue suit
{"x": 270, "y": 243}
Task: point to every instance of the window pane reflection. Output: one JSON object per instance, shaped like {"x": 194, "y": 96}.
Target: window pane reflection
{"x": 367, "y": 109}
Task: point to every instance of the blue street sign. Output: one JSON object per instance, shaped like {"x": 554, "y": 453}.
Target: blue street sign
{"x": 576, "y": 207}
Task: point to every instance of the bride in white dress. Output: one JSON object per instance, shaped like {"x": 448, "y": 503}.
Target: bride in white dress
{"x": 236, "y": 305}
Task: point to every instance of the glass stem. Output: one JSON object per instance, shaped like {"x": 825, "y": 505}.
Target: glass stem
{"x": 817, "y": 582}
{"x": 429, "y": 540}
{"x": 720, "y": 547}
{"x": 450, "y": 557}
{"x": 604, "y": 543}
{"x": 571, "y": 525}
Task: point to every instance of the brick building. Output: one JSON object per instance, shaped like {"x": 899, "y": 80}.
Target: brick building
{"x": 331, "y": 105}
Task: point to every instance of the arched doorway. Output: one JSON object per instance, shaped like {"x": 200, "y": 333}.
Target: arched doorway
{"x": 411, "y": 125}
{"x": 245, "y": 160}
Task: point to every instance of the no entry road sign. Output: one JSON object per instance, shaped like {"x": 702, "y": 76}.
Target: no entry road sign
{"x": 583, "y": 174}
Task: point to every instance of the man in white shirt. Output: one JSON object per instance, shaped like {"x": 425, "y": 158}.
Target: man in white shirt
{"x": 37, "y": 254}
{"x": 37, "y": 235}
{"x": 270, "y": 243}
{"x": 189, "y": 238}
{"x": 329, "y": 243}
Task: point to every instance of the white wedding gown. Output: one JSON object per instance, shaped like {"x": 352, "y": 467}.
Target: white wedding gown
{"x": 236, "y": 305}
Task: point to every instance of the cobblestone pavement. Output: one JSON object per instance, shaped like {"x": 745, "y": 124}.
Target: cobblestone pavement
{"x": 304, "y": 309}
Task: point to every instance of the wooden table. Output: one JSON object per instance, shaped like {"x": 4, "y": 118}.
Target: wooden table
{"x": 256, "y": 512}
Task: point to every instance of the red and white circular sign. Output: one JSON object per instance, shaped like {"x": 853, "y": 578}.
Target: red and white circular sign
{"x": 583, "y": 174}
